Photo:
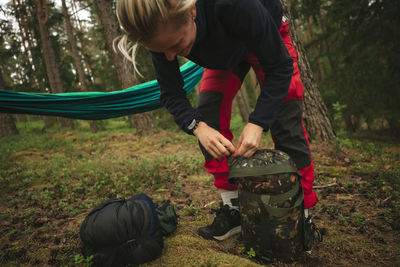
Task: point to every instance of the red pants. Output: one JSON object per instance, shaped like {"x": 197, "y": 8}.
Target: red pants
{"x": 217, "y": 91}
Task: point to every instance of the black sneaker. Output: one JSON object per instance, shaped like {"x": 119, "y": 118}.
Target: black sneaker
{"x": 225, "y": 225}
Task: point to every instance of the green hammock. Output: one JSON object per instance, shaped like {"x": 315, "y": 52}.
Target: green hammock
{"x": 95, "y": 105}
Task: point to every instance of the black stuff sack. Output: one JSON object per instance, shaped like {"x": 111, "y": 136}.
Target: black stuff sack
{"x": 126, "y": 232}
{"x": 271, "y": 204}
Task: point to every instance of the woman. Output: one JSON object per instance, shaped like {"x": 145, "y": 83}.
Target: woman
{"x": 226, "y": 37}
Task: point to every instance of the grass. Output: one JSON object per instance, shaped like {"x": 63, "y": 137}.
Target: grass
{"x": 50, "y": 175}
{"x": 185, "y": 250}
{"x": 51, "y": 179}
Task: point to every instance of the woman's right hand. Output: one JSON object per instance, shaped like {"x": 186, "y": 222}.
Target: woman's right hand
{"x": 213, "y": 141}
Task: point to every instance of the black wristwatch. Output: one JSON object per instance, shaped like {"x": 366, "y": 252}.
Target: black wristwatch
{"x": 193, "y": 125}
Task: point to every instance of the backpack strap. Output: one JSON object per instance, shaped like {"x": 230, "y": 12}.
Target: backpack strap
{"x": 263, "y": 201}
{"x": 263, "y": 170}
{"x": 279, "y": 199}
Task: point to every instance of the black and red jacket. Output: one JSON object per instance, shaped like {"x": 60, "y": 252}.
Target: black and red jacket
{"x": 228, "y": 31}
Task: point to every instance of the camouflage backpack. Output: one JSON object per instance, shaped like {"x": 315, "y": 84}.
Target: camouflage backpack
{"x": 271, "y": 204}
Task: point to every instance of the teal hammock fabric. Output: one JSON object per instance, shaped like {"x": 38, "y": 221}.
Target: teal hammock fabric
{"x": 95, "y": 105}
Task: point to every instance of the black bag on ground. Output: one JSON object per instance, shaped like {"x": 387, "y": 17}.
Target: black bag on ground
{"x": 271, "y": 204}
{"x": 121, "y": 232}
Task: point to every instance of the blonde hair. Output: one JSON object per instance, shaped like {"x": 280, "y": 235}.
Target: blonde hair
{"x": 140, "y": 19}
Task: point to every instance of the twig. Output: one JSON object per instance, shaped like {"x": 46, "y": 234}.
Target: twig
{"x": 324, "y": 186}
{"x": 209, "y": 204}
{"x": 386, "y": 199}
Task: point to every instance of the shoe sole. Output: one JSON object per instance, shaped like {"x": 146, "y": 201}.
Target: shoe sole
{"x": 228, "y": 234}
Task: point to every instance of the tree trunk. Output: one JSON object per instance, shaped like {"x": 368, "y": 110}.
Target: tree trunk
{"x": 52, "y": 71}
{"x": 254, "y": 83}
{"x": 316, "y": 118}
{"x": 74, "y": 48}
{"x": 7, "y": 124}
{"x": 84, "y": 48}
{"x": 26, "y": 38}
{"x": 353, "y": 122}
{"x": 144, "y": 122}
{"x": 315, "y": 48}
{"x": 394, "y": 126}
{"x": 331, "y": 60}
{"x": 77, "y": 58}
{"x": 242, "y": 101}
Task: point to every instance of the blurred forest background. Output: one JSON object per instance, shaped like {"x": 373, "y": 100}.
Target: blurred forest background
{"x": 353, "y": 49}
{"x": 53, "y": 171}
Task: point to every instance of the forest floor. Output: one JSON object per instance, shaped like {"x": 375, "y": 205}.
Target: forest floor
{"x": 49, "y": 181}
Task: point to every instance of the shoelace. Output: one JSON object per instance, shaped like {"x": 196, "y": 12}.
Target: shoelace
{"x": 315, "y": 231}
{"x": 217, "y": 212}
{"x": 223, "y": 208}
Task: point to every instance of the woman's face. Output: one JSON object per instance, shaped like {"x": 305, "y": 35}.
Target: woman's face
{"x": 174, "y": 41}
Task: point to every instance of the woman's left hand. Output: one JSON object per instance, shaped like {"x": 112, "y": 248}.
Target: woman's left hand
{"x": 249, "y": 140}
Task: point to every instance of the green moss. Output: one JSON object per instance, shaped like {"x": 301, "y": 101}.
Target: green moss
{"x": 184, "y": 250}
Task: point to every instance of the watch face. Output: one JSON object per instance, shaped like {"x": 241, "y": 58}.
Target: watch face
{"x": 192, "y": 124}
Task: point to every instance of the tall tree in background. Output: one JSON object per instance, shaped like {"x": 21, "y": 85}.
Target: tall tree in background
{"x": 53, "y": 73}
{"x": 368, "y": 46}
{"x": 76, "y": 57}
{"x": 359, "y": 47}
{"x": 316, "y": 117}
{"x": 7, "y": 124}
{"x": 242, "y": 101}
{"x": 74, "y": 48}
{"x": 8, "y": 49}
{"x": 96, "y": 57}
{"x": 80, "y": 36}
{"x": 144, "y": 122}
{"x": 20, "y": 12}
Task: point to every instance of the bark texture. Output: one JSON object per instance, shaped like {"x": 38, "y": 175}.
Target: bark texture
{"x": 144, "y": 122}
{"x": 316, "y": 117}
{"x": 242, "y": 101}
{"x": 52, "y": 70}
{"x": 74, "y": 48}
{"x": 254, "y": 83}
{"x": 77, "y": 58}
{"x": 26, "y": 41}
{"x": 7, "y": 124}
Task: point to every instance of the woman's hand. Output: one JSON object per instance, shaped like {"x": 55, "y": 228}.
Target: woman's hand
{"x": 213, "y": 141}
{"x": 249, "y": 140}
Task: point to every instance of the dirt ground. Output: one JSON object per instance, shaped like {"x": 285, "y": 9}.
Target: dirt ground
{"x": 355, "y": 232}
{"x": 355, "y": 212}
